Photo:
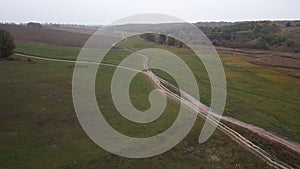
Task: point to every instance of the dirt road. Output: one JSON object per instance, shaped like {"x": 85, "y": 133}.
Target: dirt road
{"x": 202, "y": 110}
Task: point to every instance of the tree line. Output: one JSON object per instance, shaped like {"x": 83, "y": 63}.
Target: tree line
{"x": 162, "y": 39}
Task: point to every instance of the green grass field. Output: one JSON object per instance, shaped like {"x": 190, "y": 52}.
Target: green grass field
{"x": 262, "y": 96}
{"x": 51, "y": 51}
{"x": 39, "y": 128}
{"x": 39, "y": 121}
{"x": 265, "y": 97}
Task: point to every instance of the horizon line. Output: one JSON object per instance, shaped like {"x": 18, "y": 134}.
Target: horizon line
{"x": 193, "y": 22}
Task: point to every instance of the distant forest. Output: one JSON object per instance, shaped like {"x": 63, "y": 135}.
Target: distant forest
{"x": 268, "y": 35}
{"x": 283, "y": 36}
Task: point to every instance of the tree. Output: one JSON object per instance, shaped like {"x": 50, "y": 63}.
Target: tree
{"x": 288, "y": 24}
{"x": 6, "y": 44}
{"x": 34, "y": 24}
{"x": 170, "y": 41}
{"x": 160, "y": 38}
{"x": 148, "y": 36}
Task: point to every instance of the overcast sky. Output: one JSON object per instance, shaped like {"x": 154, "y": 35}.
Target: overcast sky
{"x": 107, "y": 11}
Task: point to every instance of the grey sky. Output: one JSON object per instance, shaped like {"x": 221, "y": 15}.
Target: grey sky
{"x": 106, "y": 11}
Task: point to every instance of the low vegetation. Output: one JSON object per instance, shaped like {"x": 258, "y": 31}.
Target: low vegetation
{"x": 6, "y": 44}
{"x": 250, "y": 87}
{"x": 258, "y": 95}
{"x": 44, "y": 133}
{"x": 52, "y": 51}
{"x": 39, "y": 128}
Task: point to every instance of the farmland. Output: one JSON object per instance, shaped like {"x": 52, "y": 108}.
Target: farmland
{"x": 238, "y": 73}
{"x": 44, "y": 133}
{"x": 39, "y": 122}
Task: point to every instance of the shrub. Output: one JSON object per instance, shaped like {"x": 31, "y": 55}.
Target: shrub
{"x": 6, "y": 44}
{"x": 34, "y": 24}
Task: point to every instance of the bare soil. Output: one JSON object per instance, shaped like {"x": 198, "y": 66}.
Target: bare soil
{"x": 46, "y": 35}
{"x": 289, "y": 62}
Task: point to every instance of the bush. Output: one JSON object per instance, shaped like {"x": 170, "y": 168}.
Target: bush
{"x": 34, "y": 24}
{"x": 288, "y": 24}
{"x": 6, "y": 44}
{"x": 148, "y": 36}
{"x": 265, "y": 46}
{"x": 290, "y": 43}
{"x": 170, "y": 41}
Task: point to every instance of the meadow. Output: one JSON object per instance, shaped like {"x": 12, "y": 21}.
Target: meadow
{"x": 39, "y": 128}
{"x": 262, "y": 96}
{"x": 39, "y": 122}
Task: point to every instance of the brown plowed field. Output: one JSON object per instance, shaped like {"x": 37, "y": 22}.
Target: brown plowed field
{"x": 289, "y": 62}
{"x": 46, "y": 35}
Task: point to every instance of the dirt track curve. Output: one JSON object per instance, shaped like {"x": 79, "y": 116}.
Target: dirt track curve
{"x": 196, "y": 105}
